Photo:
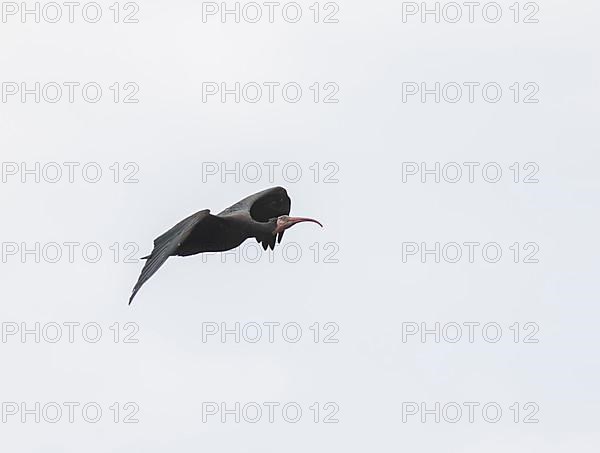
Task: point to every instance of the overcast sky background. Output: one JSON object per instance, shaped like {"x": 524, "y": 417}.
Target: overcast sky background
{"x": 369, "y": 293}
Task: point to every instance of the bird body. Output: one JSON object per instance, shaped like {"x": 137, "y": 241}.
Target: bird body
{"x": 225, "y": 234}
{"x": 263, "y": 216}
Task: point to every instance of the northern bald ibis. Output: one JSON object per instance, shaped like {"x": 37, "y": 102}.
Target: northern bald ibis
{"x": 263, "y": 216}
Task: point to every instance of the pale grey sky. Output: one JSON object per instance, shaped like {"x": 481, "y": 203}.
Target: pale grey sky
{"x": 351, "y": 156}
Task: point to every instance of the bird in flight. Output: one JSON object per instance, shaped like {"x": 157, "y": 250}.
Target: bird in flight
{"x": 263, "y": 216}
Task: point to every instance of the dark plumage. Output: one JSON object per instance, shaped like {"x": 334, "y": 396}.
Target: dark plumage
{"x": 263, "y": 216}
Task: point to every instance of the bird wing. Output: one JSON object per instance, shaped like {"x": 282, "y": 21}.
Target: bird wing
{"x": 270, "y": 204}
{"x": 274, "y": 203}
{"x": 261, "y": 207}
{"x": 166, "y": 245}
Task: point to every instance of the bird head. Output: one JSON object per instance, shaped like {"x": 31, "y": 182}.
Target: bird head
{"x": 284, "y": 222}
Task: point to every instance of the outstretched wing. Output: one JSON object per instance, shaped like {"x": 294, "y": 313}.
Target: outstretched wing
{"x": 262, "y": 206}
{"x": 166, "y": 245}
{"x": 272, "y": 203}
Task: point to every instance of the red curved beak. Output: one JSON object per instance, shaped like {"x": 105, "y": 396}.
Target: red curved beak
{"x": 291, "y": 221}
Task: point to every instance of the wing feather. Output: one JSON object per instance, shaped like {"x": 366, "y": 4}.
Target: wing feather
{"x": 262, "y": 207}
{"x": 166, "y": 245}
